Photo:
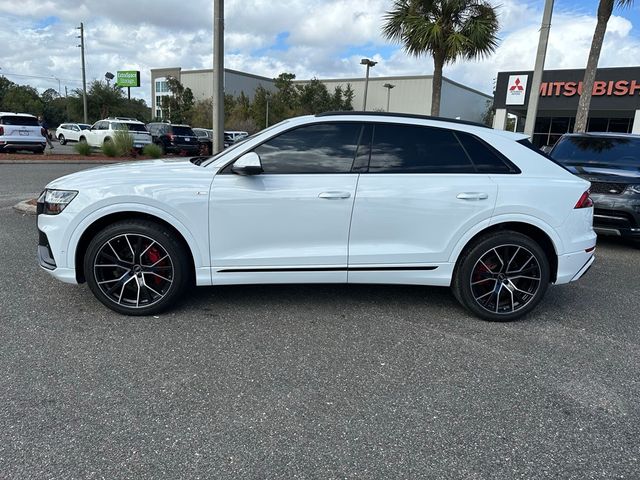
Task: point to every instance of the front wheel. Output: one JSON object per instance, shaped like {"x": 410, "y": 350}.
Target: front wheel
{"x": 136, "y": 267}
{"x": 62, "y": 140}
{"x": 502, "y": 277}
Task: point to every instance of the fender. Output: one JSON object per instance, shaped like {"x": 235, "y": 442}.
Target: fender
{"x": 497, "y": 220}
{"x": 200, "y": 258}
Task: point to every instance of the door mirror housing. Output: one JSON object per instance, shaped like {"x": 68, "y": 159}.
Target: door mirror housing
{"x": 248, "y": 164}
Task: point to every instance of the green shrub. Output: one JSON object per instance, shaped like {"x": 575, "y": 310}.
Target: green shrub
{"x": 109, "y": 148}
{"x": 152, "y": 150}
{"x": 83, "y": 148}
{"x": 123, "y": 142}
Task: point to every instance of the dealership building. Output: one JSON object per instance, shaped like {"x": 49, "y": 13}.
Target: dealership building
{"x": 402, "y": 94}
{"x": 615, "y": 105}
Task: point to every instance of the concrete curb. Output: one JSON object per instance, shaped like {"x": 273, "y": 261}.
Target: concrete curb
{"x": 24, "y": 207}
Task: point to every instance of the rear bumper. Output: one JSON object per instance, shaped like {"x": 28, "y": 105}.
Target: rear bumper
{"x": 190, "y": 149}
{"x": 573, "y": 266}
{"x": 13, "y": 146}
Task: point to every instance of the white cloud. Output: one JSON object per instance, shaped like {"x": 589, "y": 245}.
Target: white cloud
{"x": 326, "y": 38}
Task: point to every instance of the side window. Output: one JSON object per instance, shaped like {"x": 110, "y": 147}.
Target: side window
{"x": 102, "y": 126}
{"x": 417, "y": 149}
{"x": 485, "y": 159}
{"x": 319, "y": 148}
{"x": 75, "y": 128}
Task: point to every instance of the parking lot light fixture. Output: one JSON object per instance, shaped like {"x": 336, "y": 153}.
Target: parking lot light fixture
{"x": 369, "y": 63}
{"x": 388, "y": 86}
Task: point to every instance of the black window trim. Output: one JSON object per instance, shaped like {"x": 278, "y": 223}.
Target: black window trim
{"x": 226, "y": 169}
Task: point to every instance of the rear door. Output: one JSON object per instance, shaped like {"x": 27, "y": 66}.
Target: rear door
{"x": 421, "y": 193}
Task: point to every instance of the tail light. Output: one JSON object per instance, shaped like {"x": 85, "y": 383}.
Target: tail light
{"x": 171, "y": 136}
{"x": 1, "y": 130}
{"x": 585, "y": 201}
{"x": 43, "y": 132}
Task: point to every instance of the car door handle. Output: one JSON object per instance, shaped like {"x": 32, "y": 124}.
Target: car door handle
{"x": 334, "y": 195}
{"x": 473, "y": 196}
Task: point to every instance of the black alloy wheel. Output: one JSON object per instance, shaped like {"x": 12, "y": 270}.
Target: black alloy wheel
{"x": 136, "y": 267}
{"x": 502, "y": 277}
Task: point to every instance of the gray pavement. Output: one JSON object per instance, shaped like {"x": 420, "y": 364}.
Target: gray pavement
{"x": 312, "y": 381}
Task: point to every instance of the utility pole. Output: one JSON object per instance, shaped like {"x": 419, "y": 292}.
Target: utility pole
{"x": 266, "y": 120}
{"x": 534, "y": 93}
{"x": 388, "y": 86}
{"x": 84, "y": 72}
{"x": 369, "y": 64}
{"x": 218, "y": 76}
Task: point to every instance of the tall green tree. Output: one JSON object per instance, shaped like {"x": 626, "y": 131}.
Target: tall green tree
{"x": 448, "y": 30}
{"x": 178, "y": 106}
{"x": 605, "y": 9}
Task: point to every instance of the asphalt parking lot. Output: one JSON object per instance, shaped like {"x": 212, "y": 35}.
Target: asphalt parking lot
{"x": 312, "y": 381}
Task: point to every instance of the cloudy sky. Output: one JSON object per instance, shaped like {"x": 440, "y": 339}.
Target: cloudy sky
{"x": 311, "y": 38}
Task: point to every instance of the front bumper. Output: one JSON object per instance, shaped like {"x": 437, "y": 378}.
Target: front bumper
{"x": 617, "y": 215}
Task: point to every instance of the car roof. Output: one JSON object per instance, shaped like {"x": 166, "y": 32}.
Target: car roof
{"x": 18, "y": 114}
{"x": 404, "y": 115}
{"x": 603, "y": 135}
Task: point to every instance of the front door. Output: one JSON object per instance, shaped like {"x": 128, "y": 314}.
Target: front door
{"x": 291, "y": 222}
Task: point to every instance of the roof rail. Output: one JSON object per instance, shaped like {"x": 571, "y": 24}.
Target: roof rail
{"x": 406, "y": 115}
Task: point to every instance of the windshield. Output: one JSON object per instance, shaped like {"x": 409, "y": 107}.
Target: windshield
{"x": 609, "y": 152}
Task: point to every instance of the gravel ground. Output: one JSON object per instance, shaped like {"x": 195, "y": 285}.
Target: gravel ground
{"x": 312, "y": 381}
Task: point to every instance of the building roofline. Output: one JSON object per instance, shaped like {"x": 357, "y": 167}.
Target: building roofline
{"x": 506, "y": 72}
{"x": 401, "y": 77}
{"x": 210, "y": 70}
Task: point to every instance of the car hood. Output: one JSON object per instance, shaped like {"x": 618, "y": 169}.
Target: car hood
{"x": 160, "y": 171}
{"x": 602, "y": 174}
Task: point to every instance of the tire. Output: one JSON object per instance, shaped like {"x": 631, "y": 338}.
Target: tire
{"x": 82, "y": 140}
{"x": 62, "y": 140}
{"x": 502, "y": 276}
{"x": 148, "y": 267}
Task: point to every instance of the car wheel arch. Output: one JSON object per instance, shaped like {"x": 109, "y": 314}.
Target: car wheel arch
{"x": 103, "y": 221}
{"x": 532, "y": 231}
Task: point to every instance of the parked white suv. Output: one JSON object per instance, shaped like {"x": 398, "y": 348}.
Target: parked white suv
{"x": 332, "y": 198}
{"x": 103, "y": 131}
{"x": 71, "y": 132}
{"x": 21, "y": 131}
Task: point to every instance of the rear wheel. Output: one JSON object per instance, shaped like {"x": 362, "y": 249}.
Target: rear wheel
{"x": 62, "y": 140}
{"x": 136, "y": 267}
{"x": 502, "y": 276}
{"x": 82, "y": 140}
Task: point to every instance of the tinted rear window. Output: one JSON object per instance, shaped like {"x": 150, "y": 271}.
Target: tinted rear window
{"x": 485, "y": 159}
{"x": 132, "y": 127}
{"x": 417, "y": 149}
{"x": 17, "y": 120}
{"x": 186, "y": 131}
{"x": 603, "y": 151}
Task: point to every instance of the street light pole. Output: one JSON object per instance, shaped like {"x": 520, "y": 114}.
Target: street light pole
{"x": 369, "y": 64}
{"x": 388, "y": 86}
{"x": 534, "y": 93}
{"x": 84, "y": 72}
{"x": 218, "y": 76}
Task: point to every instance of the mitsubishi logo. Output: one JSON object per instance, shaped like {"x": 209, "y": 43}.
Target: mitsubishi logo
{"x": 517, "y": 85}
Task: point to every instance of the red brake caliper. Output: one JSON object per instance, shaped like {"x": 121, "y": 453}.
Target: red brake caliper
{"x": 154, "y": 255}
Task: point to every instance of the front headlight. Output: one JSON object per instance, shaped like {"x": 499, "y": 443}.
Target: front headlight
{"x": 52, "y": 202}
{"x": 633, "y": 189}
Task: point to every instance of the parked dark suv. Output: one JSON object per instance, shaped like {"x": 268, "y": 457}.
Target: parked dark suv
{"x": 611, "y": 162}
{"x": 174, "y": 138}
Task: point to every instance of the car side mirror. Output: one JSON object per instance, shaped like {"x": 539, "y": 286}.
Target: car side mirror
{"x": 248, "y": 164}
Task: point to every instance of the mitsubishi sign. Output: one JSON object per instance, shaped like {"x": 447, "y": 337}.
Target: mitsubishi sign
{"x": 614, "y": 89}
{"x": 516, "y": 89}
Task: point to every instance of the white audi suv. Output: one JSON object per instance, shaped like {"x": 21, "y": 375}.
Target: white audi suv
{"x": 334, "y": 198}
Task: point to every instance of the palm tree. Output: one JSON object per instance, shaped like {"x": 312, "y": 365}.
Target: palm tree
{"x": 605, "y": 9}
{"x": 446, "y": 29}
